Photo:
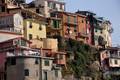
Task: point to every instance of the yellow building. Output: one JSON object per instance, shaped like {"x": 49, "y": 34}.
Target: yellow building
{"x": 34, "y": 29}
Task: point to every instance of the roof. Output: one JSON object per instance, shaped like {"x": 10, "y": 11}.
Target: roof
{"x": 16, "y": 38}
{"x": 83, "y": 12}
{"x": 31, "y": 56}
{"x": 111, "y": 48}
{"x": 59, "y": 1}
{"x": 4, "y": 31}
{"x": 59, "y": 52}
{"x": 69, "y": 13}
{"x": 6, "y": 14}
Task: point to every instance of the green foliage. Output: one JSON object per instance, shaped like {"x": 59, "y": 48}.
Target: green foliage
{"x": 83, "y": 54}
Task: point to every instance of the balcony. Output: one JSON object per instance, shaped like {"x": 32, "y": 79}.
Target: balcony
{"x": 19, "y": 31}
{"x": 23, "y": 53}
{"x": 54, "y": 23}
{"x": 114, "y": 56}
{"x": 60, "y": 58}
{"x": 115, "y": 72}
{"x": 57, "y": 1}
{"x": 83, "y": 35}
{"x": 71, "y": 23}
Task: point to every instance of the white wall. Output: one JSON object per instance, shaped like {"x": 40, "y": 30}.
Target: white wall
{"x": 112, "y": 62}
{"x": 7, "y": 35}
{"x": 18, "y": 22}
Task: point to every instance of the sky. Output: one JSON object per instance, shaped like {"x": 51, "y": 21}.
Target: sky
{"x": 110, "y": 9}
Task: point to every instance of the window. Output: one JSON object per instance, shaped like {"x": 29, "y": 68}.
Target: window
{"x": 30, "y": 36}
{"x": 61, "y": 6}
{"x": 110, "y": 61}
{"x": 37, "y": 73}
{"x": 68, "y": 19}
{"x": 36, "y": 61}
{"x": 47, "y": 55}
{"x": 54, "y": 6}
{"x": 45, "y": 76}
{"x": 3, "y": 1}
{"x": 95, "y": 30}
{"x": 56, "y": 73}
{"x": 56, "y": 24}
{"x": 96, "y": 37}
{"x": 37, "y": 10}
{"x": 61, "y": 57}
{"x": 46, "y": 62}
{"x": 75, "y": 30}
{"x": 40, "y": 27}
{"x": 26, "y": 72}
{"x": 115, "y": 61}
{"x": 82, "y": 21}
{"x": 13, "y": 61}
{"x": 75, "y": 20}
{"x": 101, "y": 31}
{"x": 49, "y": 4}
{"x": 23, "y": 43}
{"x": 37, "y": 37}
{"x": 30, "y": 26}
{"x": 3, "y": 9}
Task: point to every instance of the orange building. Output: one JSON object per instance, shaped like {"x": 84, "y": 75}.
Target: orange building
{"x": 72, "y": 25}
{"x": 82, "y": 29}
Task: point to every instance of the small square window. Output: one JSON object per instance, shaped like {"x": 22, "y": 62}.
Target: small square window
{"x": 116, "y": 62}
{"x": 40, "y": 27}
{"x": 95, "y": 30}
{"x": 30, "y": 26}
{"x": 36, "y": 61}
{"x": 37, "y": 37}
{"x": 30, "y": 36}
{"x": 56, "y": 73}
{"x": 75, "y": 30}
{"x": 61, "y": 6}
{"x": 82, "y": 21}
{"x": 46, "y": 62}
{"x": 61, "y": 57}
{"x": 13, "y": 61}
{"x": 26, "y": 72}
{"x": 101, "y": 31}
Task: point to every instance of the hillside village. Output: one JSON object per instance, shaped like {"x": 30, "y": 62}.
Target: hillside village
{"x": 40, "y": 40}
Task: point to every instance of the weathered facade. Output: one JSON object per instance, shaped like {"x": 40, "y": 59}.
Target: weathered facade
{"x": 23, "y": 68}
{"x": 34, "y": 29}
{"x": 6, "y": 35}
{"x": 11, "y": 22}
{"x": 110, "y": 62}
{"x": 48, "y": 6}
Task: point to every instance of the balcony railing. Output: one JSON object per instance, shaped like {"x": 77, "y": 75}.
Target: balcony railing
{"x": 82, "y": 35}
{"x": 23, "y": 53}
{"x": 114, "y": 56}
{"x": 115, "y": 72}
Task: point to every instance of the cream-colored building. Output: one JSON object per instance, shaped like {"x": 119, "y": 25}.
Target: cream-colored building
{"x": 50, "y": 43}
{"x": 11, "y": 22}
{"x": 46, "y": 43}
{"x": 48, "y": 6}
{"x": 107, "y": 33}
{"x": 34, "y": 29}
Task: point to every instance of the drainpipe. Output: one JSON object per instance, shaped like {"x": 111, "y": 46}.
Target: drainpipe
{"x": 40, "y": 72}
